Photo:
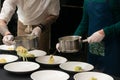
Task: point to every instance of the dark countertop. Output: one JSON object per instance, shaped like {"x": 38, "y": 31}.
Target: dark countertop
{"x": 5, "y": 75}
{"x": 13, "y": 76}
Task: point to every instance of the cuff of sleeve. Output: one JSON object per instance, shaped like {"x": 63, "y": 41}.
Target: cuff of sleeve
{"x": 7, "y": 33}
{"x": 101, "y": 32}
{"x": 42, "y": 27}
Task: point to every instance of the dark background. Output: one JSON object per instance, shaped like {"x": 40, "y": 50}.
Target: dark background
{"x": 69, "y": 19}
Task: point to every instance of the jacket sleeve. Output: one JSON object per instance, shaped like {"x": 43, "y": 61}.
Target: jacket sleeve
{"x": 8, "y": 9}
{"x": 112, "y": 30}
{"x": 53, "y": 11}
{"x": 83, "y": 26}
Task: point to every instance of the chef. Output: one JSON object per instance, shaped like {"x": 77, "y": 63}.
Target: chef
{"x": 34, "y": 17}
{"x": 103, "y": 53}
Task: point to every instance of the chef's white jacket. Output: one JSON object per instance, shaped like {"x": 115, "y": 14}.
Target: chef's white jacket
{"x": 30, "y": 12}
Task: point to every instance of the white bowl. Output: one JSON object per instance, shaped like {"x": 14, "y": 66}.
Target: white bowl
{"x": 45, "y": 59}
{"x": 7, "y": 47}
{"x": 8, "y": 58}
{"x": 21, "y": 67}
{"x": 37, "y": 53}
{"x": 70, "y": 66}
{"x": 49, "y": 75}
{"x": 89, "y": 75}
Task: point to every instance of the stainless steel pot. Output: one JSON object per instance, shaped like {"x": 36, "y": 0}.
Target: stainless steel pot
{"x": 29, "y": 42}
{"x": 70, "y": 44}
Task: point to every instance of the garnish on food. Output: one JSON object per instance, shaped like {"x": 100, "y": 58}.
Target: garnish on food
{"x": 10, "y": 48}
{"x": 78, "y": 68}
{"x": 93, "y": 78}
{"x": 51, "y": 59}
{"x": 3, "y": 60}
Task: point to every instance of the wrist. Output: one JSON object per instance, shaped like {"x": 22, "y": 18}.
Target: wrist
{"x": 101, "y": 32}
{"x": 42, "y": 27}
{"x": 7, "y": 33}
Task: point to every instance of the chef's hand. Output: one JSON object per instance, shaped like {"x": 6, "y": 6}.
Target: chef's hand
{"x": 57, "y": 47}
{"x": 8, "y": 39}
{"x": 96, "y": 37}
{"x": 36, "y": 31}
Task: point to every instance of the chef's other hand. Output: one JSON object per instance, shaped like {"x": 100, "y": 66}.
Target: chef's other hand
{"x": 96, "y": 37}
{"x": 57, "y": 47}
{"x": 8, "y": 39}
{"x": 36, "y": 31}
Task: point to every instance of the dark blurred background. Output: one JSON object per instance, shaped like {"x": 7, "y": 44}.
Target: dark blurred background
{"x": 69, "y": 19}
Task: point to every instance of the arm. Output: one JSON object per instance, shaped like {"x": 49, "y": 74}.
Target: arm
{"x": 7, "y": 11}
{"x": 49, "y": 20}
{"x": 5, "y": 15}
{"x": 7, "y": 39}
{"x": 53, "y": 12}
{"x": 112, "y": 30}
{"x": 83, "y": 26}
{"x": 3, "y": 28}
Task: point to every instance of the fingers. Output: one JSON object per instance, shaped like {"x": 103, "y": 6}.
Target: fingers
{"x": 57, "y": 47}
{"x": 36, "y": 31}
{"x": 8, "y": 39}
{"x": 8, "y": 42}
{"x": 95, "y": 37}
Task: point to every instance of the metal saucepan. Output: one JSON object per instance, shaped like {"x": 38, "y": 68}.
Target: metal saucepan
{"x": 70, "y": 44}
{"x": 29, "y": 42}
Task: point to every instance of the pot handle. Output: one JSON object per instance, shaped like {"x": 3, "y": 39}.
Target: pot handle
{"x": 85, "y": 40}
{"x": 57, "y": 47}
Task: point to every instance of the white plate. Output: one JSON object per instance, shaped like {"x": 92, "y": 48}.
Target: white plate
{"x": 49, "y": 75}
{"x": 88, "y": 75}
{"x": 8, "y": 58}
{"x": 6, "y": 47}
{"x": 37, "y": 53}
{"x": 70, "y": 65}
{"x": 21, "y": 66}
{"x": 45, "y": 59}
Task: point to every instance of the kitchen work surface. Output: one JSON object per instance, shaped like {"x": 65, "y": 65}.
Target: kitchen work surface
{"x": 7, "y": 75}
{"x": 11, "y": 76}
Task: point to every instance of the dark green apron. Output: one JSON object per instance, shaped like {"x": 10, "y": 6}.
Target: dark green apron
{"x": 100, "y": 15}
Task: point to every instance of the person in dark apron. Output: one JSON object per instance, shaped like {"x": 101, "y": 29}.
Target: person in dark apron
{"x": 98, "y": 14}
